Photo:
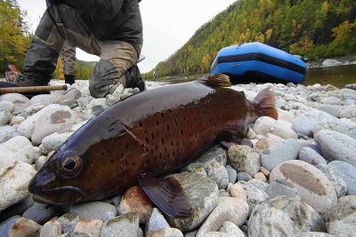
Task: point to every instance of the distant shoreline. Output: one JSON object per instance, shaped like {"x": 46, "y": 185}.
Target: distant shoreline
{"x": 332, "y": 62}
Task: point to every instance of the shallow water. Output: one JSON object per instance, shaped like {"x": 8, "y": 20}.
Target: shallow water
{"x": 338, "y": 76}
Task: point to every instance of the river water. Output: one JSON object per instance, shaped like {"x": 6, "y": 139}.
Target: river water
{"x": 338, "y": 76}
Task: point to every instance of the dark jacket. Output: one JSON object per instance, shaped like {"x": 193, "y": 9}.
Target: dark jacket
{"x": 110, "y": 19}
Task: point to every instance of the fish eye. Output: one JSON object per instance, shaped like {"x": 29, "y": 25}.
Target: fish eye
{"x": 71, "y": 166}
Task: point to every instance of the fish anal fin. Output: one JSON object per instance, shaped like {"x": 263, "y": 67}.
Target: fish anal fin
{"x": 218, "y": 80}
{"x": 167, "y": 195}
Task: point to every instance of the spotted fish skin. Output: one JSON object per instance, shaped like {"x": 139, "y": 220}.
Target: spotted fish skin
{"x": 152, "y": 133}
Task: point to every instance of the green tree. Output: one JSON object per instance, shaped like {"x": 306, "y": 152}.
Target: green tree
{"x": 14, "y": 39}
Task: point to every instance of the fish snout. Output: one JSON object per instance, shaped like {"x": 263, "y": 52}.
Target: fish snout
{"x": 44, "y": 190}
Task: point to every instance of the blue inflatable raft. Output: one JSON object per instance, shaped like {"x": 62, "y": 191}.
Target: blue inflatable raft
{"x": 257, "y": 62}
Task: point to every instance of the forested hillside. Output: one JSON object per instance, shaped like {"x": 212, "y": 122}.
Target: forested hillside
{"x": 14, "y": 38}
{"x": 311, "y": 28}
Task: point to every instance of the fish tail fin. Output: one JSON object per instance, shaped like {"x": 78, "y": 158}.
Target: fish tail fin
{"x": 265, "y": 103}
{"x": 218, "y": 80}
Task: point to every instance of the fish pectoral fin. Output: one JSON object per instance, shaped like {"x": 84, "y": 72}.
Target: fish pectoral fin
{"x": 167, "y": 195}
{"x": 218, "y": 80}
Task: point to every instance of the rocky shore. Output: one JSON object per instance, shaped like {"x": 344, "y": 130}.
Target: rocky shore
{"x": 295, "y": 177}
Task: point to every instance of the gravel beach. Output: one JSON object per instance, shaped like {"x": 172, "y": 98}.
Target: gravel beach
{"x": 297, "y": 178}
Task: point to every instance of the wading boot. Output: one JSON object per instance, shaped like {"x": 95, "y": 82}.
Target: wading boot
{"x": 28, "y": 79}
{"x": 69, "y": 79}
{"x": 134, "y": 79}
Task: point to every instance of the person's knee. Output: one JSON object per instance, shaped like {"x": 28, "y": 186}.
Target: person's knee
{"x": 105, "y": 75}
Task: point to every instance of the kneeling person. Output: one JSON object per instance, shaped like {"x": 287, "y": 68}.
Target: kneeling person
{"x": 110, "y": 29}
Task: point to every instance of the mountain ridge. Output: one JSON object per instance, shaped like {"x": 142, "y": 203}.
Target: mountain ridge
{"x": 314, "y": 29}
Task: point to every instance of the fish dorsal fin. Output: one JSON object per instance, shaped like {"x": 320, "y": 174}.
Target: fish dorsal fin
{"x": 218, "y": 80}
{"x": 167, "y": 195}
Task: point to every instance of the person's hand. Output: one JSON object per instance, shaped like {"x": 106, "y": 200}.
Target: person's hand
{"x": 12, "y": 73}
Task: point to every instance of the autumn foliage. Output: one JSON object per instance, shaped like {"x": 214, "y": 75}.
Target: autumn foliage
{"x": 14, "y": 40}
{"x": 311, "y": 28}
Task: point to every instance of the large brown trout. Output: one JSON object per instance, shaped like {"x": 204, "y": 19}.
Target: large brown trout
{"x": 145, "y": 137}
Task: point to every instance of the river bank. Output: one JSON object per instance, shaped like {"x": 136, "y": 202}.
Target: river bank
{"x": 337, "y": 72}
{"x": 303, "y": 162}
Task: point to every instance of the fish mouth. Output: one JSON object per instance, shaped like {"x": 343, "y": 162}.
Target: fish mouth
{"x": 58, "y": 196}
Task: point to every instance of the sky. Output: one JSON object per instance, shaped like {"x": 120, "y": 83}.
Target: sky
{"x": 167, "y": 25}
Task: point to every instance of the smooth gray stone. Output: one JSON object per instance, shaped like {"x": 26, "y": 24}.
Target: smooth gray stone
{"x": 40, "y": 213}
{"x": 243, "y": 176}
{"x": 282, "y": 188}
{"x": 347, "y": 173}
{"x": 232, "y": 174}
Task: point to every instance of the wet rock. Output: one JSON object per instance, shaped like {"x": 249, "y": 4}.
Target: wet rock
{"x": 18, "y": 148}
{"x": 244, "y": 159}
{"x": 231, "y": 229}
{"x": 265, "y": 125}
{"x": 280, "y": 152}
{"x": 156, "y": 221}
{"x": 136, "y": 201}
{"x": 6, "y": 133}
{"x": 338, "y": 183}
{"x": 311, "y": 156}
{"x": 232, "y": 174}
{"x": 283, "y": 216}
{"x": 282, "y": 188}
{"x": 337, "y": 146}
{"x": 51, "y": 229}
{"x": 7, "y": 106}
{"x": 347, "y": 173}
{"x": 5, "y": 117}
{"x": 313, "y": 186}
{"x": 94, "y": 210}
{"x": 68, "y": 222}
{"x": 243, "y": 176}
{"x": 166, "y": 232}
{"x": 124, "y": 225}
{"x": 342, "y": 217}
{"x": 14, "y": 179}
{"x": 234, "y": 210}
{"x": 39, "y": 213}
{"x": 89, "y": 227}
{"x": 254, "y": 195}
{"x": 201, "y": 194}
{"x": 24, "y": 227}
{"x": 305, "y": 123}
